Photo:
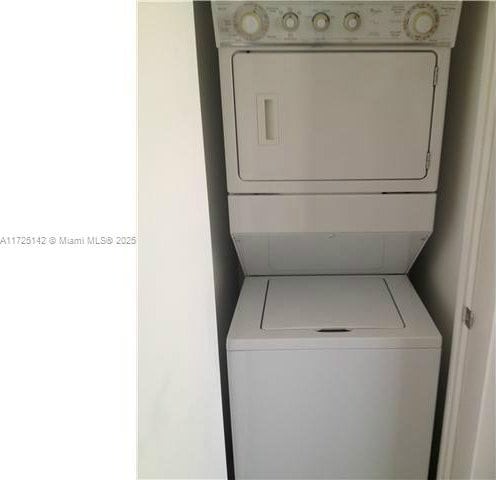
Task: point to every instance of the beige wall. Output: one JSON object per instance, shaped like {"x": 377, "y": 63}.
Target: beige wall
{"x": 180, "y": 411}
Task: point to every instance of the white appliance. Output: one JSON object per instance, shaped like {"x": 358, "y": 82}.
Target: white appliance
{"x": 333, "y": 109}
{"x": 332, "y": 377}
{"x": 333, "y": 120}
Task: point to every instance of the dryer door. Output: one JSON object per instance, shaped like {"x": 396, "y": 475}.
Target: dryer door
{"x": 333, "y": 115}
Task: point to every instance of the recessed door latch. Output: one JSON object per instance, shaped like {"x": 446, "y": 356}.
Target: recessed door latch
{"x": 468, "y": 317}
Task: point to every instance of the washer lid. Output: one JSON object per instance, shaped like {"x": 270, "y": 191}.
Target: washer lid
{"x": 329, "y": 303}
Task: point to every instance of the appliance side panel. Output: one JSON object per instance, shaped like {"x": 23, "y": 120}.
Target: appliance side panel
{"x": 333, "y": 413}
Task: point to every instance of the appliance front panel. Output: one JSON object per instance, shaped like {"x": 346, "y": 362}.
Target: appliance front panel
{"x": 329, "y": 234}
{"x": 333, "y": 115}
{"x": 294, "y": 22}
{"x": 335, "y": 413}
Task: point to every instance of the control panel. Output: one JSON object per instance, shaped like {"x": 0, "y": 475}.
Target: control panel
{"x": 241, "y": 23}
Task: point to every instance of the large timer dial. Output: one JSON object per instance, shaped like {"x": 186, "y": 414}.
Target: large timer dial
{"x": 251, "y": 21}
{"x": 421, "y": 21}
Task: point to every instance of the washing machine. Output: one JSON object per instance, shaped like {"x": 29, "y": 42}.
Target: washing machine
{"x": 332, "y": 377}
{"x": 333, "y": 118}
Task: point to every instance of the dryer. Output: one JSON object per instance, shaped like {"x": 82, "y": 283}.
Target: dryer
{"x": 312, "y": 111}
{"x": 333, "y": 120}
{"x": 334, "y": 109}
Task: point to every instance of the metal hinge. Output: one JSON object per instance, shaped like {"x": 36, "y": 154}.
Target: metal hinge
{"x": 427, "y": 161}
{"x": 436, "y": 72}
{"x": 468, "y": 317}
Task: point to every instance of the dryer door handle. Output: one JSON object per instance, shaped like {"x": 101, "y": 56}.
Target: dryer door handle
{"x": 268, "y": 119}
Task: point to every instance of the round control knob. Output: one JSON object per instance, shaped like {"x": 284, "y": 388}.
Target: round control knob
{"x": 320, "y": 21}
{"x": 251, "y": 21}
{"x": 423, "y": 22}
{"x": 290, "y": 21}
{"x": 352, "y": 22}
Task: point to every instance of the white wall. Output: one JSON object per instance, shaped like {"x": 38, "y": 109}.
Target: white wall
{"x": 436, "y": 272}
{"x": 484, "y": 464}
{"x": 180, "y": 412}
{"x": 476, "y": 349}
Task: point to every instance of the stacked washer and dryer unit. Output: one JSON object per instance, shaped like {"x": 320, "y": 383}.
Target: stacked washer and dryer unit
{"x": 333, "y": 119}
